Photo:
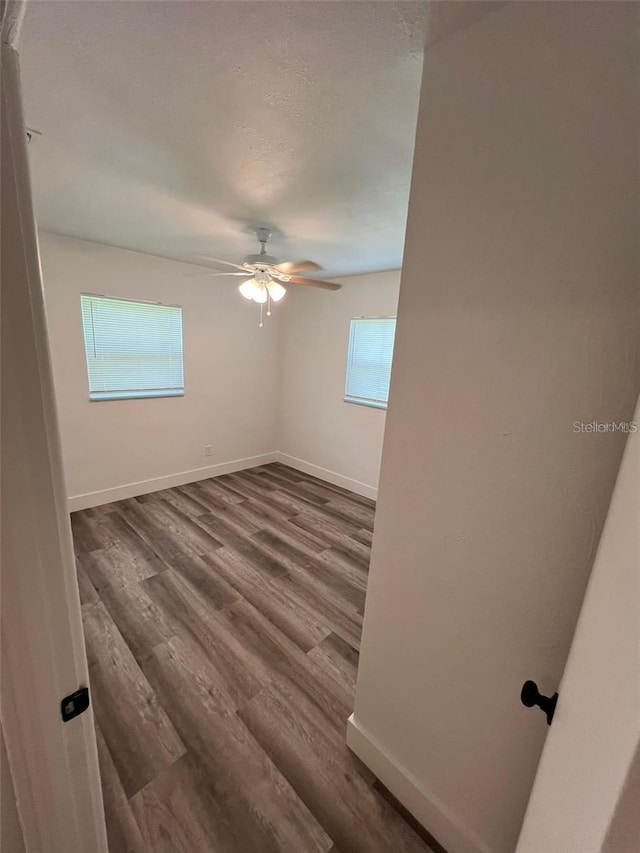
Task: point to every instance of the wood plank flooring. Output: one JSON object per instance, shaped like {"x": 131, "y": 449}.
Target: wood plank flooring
{"x": 222, "y": 622}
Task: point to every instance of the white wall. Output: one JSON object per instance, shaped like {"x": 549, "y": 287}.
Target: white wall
{"x": 517, "y": 316}
{"x": 114, "y": 449}
{"x": 249, "y": 392}
{"x": 319, "y": 432}
{"x": 590, "y": 752}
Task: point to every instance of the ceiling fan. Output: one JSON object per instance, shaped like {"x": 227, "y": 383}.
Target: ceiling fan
{"x": 267, "y": 277}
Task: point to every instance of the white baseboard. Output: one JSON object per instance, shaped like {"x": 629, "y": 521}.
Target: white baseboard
{"x": 330, "y": 476}
{"x": 445, "y": 827}
{"x": 144, "y": 487}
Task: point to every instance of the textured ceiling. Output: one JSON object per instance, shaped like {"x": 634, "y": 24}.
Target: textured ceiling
{"x": 170, "y": 127}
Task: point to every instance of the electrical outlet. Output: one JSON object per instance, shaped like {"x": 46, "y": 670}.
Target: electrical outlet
{"x": 207, "y": 449}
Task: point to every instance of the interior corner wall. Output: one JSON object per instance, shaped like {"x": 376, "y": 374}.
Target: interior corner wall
{"x": 11, "y": 838}
{"x": 120, "y": 448}
{"x": 517, "y": 322}
{"x": 319, "y": 432}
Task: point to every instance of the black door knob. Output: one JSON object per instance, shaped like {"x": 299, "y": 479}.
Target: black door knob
{"x": 530, "y": 696}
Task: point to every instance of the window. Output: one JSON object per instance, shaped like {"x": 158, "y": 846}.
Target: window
{"x": 369, "y": 361}
{"x": 134, "y": 349}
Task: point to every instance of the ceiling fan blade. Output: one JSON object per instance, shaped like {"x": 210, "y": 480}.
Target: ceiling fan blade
{"x": 220, "y": 261}
{"x": 207, "y": 274}
{"x": 312, "y": 282}
{"x": 293, "y": 267}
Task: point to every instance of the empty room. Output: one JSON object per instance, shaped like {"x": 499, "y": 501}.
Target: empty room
{"x": 321, "y": 361}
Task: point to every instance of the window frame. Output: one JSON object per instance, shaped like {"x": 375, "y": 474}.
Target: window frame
{"x": 140, "y": 393}
{"x": 370, "y": 403}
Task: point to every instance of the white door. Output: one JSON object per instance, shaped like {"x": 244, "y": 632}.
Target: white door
{"x": 592, "y": 745}
{"x": 53, "y": 764}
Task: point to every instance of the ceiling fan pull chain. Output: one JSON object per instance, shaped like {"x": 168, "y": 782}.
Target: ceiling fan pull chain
{"x": 268, "y": 303}
{"x": 260, "y": 324}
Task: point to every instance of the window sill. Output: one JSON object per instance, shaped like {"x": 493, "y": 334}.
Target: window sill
{"x": 371, "y": 404}
{"x": 99, "y": 397}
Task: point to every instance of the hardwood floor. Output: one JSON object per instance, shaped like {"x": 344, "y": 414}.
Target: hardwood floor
{"x": 223, "y": 622}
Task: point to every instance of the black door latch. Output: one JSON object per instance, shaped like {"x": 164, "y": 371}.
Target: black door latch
{"x": 74, "y": 704}
{"x": 530, "y": 696}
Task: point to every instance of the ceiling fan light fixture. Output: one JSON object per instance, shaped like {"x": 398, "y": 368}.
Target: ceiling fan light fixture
{"x": 249, "y": 288}
{"x": 276, "y": 290}
{"x": 267, "y": 277}
{"x": 260, "y": 295}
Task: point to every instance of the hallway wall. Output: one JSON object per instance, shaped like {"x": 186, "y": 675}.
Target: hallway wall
{"x": 517, "y": 318}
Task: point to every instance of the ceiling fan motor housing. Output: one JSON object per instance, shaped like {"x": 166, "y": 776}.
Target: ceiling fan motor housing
{"x": 261, "y": 260}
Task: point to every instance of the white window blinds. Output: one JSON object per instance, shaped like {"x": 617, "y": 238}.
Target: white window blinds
{"x": 134, "y": 349}
{"x": 369, "y": 361}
